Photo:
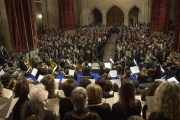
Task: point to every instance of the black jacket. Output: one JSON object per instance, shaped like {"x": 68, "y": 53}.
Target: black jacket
{"x": 83, "y": 115}
{"x": 86, "y": 71}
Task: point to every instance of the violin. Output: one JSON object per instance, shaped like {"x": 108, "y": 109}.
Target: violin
{"x": 44, "y": 66}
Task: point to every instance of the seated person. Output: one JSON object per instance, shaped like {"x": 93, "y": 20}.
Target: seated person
{"x": 41, "y": 70}
{"x": 127, "y": 105}
{"x": 79, "y": 99}
{"x": 106, "y": 75}
{"x": 67, "y": 75}
{"x": 143, "y": 76}
{"x": 1, "y": 90}
{"x": 115, "y": 87}
{"x": 108, "y": 87}
{"x": 6, "y": 80}
{"x": 177, "y": 71}
{"x": 95, "y": 95}
{"x": 5, "y": 68}
{"x": 23, "y": 67}
{"x": 86, "y": 71}
{"x": 34, "y": 110}
{"x": 101, "y": 69}
{"x": 84, "y": 82}
{"x": 66, "y": 103}
{"x": 102, "y": 83}
{"x": 127, "y": 75}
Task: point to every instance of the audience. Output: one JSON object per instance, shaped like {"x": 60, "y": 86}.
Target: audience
{"x": 95, "y": 95}
{"x": 67, "y": 75}
{"x": 127, "y": 105}
{"x": 79, "y": 99}
{"x": 106, "y": 75}
{"x": 65, "y": 103}
{"x": 108, "y": 87}
{"x": 84, "y": 82}
{"x": 21, "y": 90}
{"x": 102, "y": 83}
{"x": 167, "y": 102}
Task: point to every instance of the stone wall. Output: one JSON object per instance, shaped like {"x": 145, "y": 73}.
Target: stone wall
{"x": 50, "y": 13}
{"x": 5, "y": 25}
{"x": 87, "y": 6}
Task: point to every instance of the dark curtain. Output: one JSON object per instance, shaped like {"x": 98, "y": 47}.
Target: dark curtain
{"x": 22, "y": 24}
{"x": 177, "y": 29}
{"x": 160, "y": 14}
{"x": 66, "y": 14}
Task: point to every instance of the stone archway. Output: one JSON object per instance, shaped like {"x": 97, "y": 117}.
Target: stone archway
{"x": 115, "y": 15}
{"x": 133, "y": 16}
{"x": 96, "y": 16}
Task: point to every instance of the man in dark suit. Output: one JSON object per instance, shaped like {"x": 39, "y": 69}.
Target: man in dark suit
{"x": 86, "y": 71}
{"x": 56, "y": 54}
{"x": 100, "y": 49}
{"x": 106, "y": 75}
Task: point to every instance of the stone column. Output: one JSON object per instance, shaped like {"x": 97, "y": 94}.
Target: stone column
{"x": 126, "y": 19}
{"x": 104, "y": 18}
{"x": 5, "y": 26}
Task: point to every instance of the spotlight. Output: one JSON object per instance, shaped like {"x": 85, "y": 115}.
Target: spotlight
{"x": 39, "y": 16}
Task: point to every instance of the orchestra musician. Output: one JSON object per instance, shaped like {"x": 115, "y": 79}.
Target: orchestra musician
{"x": 86, "y": 70}
{"x": 67, "y": 75}
{"x": 106, "y": 74}
{"x": 23, "y": 66}
{"x": 42, "y": 69}
{"x": 177, "y": 70}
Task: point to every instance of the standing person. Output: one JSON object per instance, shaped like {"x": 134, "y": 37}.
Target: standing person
{"x": 167, "y": 102}
{"x": 100, "y": 49}
{"x": 1, "y": 56}
{"x": 127, "y": 105}
{"x": 79, "y": 99}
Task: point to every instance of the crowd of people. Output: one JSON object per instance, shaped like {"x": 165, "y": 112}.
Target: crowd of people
{"x": 135, "y": 46}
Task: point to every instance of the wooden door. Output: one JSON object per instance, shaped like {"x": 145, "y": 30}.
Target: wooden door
{"x": 115, "y": 15}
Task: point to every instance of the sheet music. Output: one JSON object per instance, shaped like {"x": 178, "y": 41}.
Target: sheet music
{"x": 150, "y": 103}
{"x": 162, "y": 80}
{"x": 54, "y": 69}
{"x": 135, "y": 69}
{"x": 2, "y": 72}
{"x": 71, "y": 72}
{"x": 111, "y": 60}
{"x": 116, "y": 97}
{"x": 89, "y": 64}
{"x": 117, "y": 81}
{"x": 7, "y": 93}
{"x": 53, "y": 105}
{"x": 172, "y": 79}
{"x": 107, "y": 65}
{"x": 162, "y": 69}
{"x": 14, "y": 101}
{"x": 92, "y": 80}
{"x": 3, "y": 105}
{"x": 34, "y": 71}
{"x": 64, "y": 80}
{"x": 40, "y": 78}
{"x": 135, "y": 62}
{"x": 57, "y": 83}
{"x": 113, "y": 73}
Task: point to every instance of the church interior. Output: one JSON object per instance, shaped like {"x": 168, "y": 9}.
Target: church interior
{"x": 89, "y": 59}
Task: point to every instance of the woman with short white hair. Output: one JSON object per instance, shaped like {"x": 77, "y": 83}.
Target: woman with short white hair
{"x": 39, "y": 93}
{"x": 80, "y": 112}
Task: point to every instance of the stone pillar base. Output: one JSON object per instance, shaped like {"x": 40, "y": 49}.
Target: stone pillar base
{"x": 156, "y": 32}
{"x": 30, "y": 54}
{"x": 70, "y": 32}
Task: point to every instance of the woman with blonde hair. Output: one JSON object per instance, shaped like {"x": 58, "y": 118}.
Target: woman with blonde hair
{"x": 143, "y": 76}
{"x": 127, "y": 105}
{"x": 167, "y": 102}
{"x": 95, "y": 95}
